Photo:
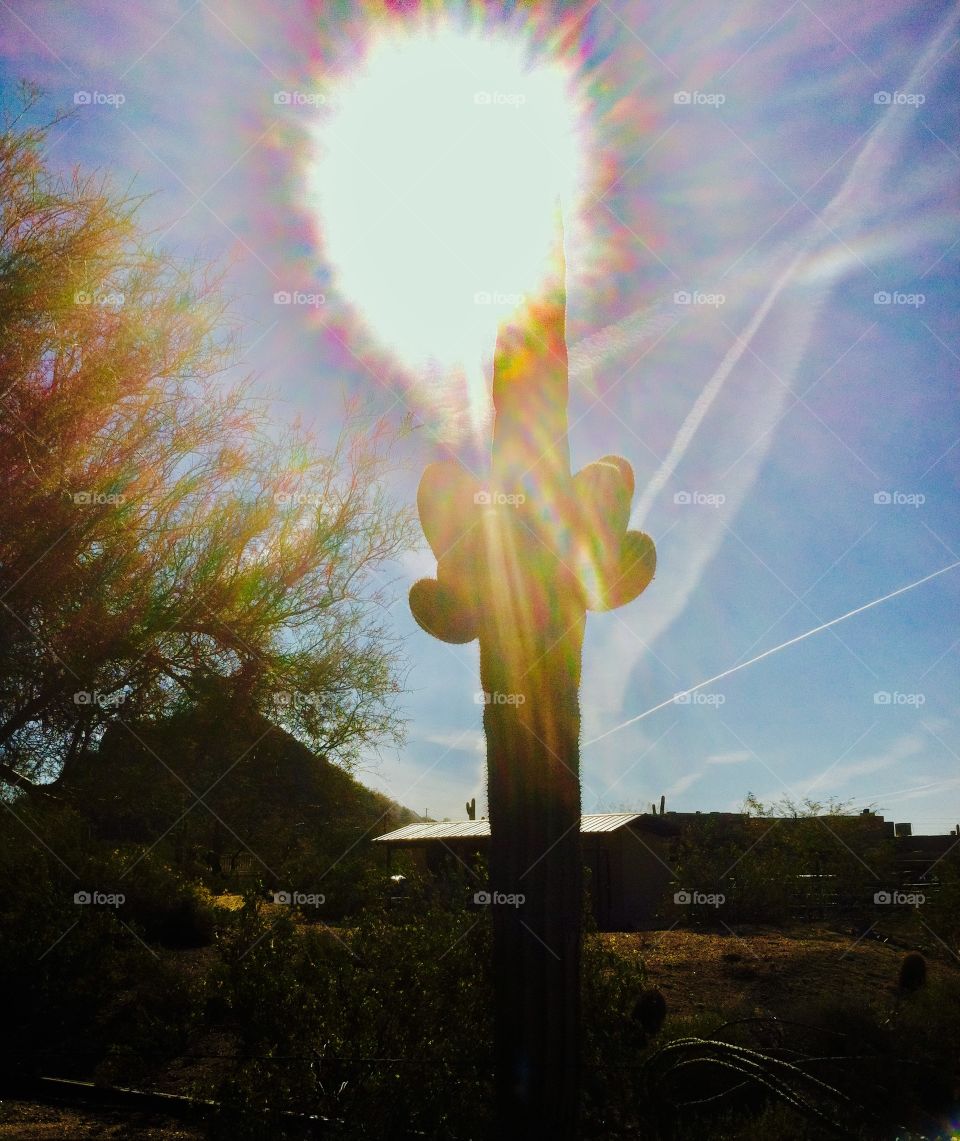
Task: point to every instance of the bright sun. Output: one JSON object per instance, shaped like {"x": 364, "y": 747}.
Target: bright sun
{"x": 435, "y": 180}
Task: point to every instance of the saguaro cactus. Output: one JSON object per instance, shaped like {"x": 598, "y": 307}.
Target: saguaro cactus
{"x": 518, "y": 565}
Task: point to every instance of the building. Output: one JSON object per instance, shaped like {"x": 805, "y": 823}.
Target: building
{"x": 627, "y": 854}
{"x": 623, "y": 851}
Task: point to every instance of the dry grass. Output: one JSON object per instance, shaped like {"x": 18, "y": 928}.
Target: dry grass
{"x": 766, "y": 970}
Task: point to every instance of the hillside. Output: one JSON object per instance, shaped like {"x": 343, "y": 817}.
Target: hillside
{"x": 260, "y": 785}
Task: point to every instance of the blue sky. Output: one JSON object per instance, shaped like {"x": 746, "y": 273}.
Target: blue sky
{"x": 796, "y": 444}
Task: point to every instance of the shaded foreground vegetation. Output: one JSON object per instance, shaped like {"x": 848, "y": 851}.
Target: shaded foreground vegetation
{"x": 380, "y": 1021}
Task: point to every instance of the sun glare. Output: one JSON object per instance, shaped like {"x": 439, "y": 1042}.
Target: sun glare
{"x": 435, "y": 178}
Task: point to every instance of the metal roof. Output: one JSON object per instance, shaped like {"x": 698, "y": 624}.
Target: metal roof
{"x": 464, "y": 829}
{"x": 607, "y": 821}
{"x": 444, "y": 830}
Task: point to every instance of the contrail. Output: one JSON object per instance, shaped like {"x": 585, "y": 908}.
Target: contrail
{"x": 774, "y": 650}
{"x": 710, "y": 392}
{"x": 855, "y": 188}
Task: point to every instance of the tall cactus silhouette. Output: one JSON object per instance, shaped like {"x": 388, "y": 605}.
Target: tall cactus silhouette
{"x": 518, "y": 565}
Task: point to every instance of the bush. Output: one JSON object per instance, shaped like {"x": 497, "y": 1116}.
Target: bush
{"x": 385, "y": 1026}
{"x": 782, "y": 862}
{"x": 82, "y": 983}
{"x": 349, "y": 882}
{"x": 159, "y": 902}
{"x": 64, "y": 963}
{"x": 893, "y": 1056}
{"x": 913, "y": 972}
{"x": 613, "y": 981}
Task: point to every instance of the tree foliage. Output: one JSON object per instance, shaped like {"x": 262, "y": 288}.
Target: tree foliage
{"x": 783, "y": 859}
{"x": 160, "y": 539}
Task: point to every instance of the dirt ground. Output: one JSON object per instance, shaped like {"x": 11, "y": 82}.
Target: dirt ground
{"x": 24, "y": 1121}
{"x": 766, "y": 970}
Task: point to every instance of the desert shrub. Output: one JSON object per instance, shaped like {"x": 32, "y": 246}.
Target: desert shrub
{"x": 384, "y": 1025}
{"x": 64, "y": 962}
{"x": 780, "y": 862}
{"x": 387, "y": 1025}
{"x": 925, "y": 1030}
{"x": 87, "y": 990}
{"x": 346, "y": 873}
{"x": 893, "y": 1055}
{"x": 913, "y": 972}
{"x": 159, "y": 902}
{"x": 613, "y": 980}
{"x": 650, "y": 1010}
{"x": 148, "y": 1023}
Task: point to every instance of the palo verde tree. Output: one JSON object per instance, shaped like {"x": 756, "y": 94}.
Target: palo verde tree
{"x": 160, "y": 540}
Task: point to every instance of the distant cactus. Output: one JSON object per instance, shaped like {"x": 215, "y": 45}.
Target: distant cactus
{"x": 913, "y": 972}
{"x": 650, "y": 1010}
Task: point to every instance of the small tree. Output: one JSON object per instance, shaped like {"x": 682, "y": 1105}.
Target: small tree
{"x": 157, "y": 540}
{"x": 783, "y": 857}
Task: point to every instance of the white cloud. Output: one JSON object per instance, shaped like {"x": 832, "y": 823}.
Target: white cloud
{"x": 898, "y": 751}
{"x": 419, "y": 563}
{"x": 729, "y": 758}
{"x": 680, "y": 786}
{"x": 466, "y": 741}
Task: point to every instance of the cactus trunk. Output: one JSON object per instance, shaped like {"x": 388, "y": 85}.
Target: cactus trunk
{"x": 517, "y": 567}
{"x": 531, "y": 635}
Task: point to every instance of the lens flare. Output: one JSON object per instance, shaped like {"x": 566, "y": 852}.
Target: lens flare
{"x": 434, "y": 182}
